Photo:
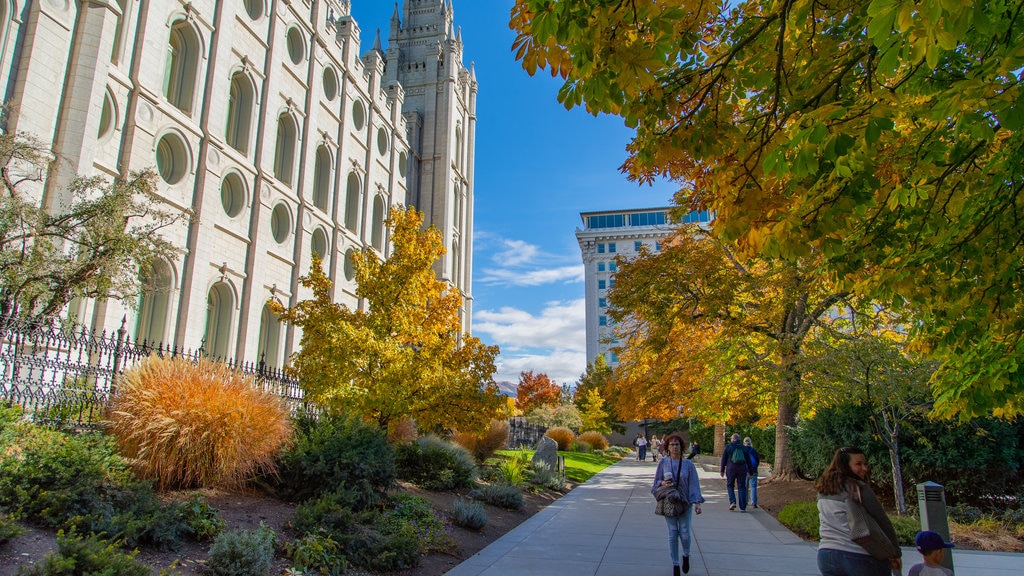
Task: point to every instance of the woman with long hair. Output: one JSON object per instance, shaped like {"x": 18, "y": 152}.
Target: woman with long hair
{"x": 838, "y": 553}
{"x": 674, "y": 470}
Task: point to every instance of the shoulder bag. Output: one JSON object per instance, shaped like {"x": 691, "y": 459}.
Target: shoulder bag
{"x": 865, "y": 528}
{"x": 670, "y": 501}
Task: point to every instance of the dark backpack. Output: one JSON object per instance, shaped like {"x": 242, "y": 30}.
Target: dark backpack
{"x": 738, "y": 455}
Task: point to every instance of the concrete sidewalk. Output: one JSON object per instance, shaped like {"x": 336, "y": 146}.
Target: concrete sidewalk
{"x": 607, "y": 527}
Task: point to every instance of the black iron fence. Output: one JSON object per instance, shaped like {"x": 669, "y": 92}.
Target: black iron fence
{"x": 66, "y": 376}
{"x": 522, "y": 433}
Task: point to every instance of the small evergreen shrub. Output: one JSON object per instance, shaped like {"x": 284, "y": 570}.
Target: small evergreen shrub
{"x": 561, "y": 435}
{"x": 203, "y": 520}
{"x": 435, "y": 464}
{"x": 545, "y": 476}
{"x": 330, "y": 513}
{"x": 906, "y": 528}
{"x": 242, "y": 552}
{"x": 333, "y": 452}
{"x": 802, "y": 518}
{"x": 483, "y": 446}
{"x": 964, "y": 514}
{"x": 9, "y": 528}
{"x": 414, "y": 514}
{"x": 595, "y": 440}
{"x": 468, "y": 514}
{"x": 89, "y": 555}
{"x": 187, "y": 425}
{"x": 501, "y": 495}
{"x": 317, "y": 554}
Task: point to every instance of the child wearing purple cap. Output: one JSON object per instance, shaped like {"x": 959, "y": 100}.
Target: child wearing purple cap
{"x": 933, "y": 548}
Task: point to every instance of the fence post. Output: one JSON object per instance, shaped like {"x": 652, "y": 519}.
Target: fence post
{"x": 118, "y": 352}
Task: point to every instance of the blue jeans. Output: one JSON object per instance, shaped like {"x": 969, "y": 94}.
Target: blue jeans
{"x": 842, "y": 563}
{"x": 732, "y": 478}
{"x": 752, "y": 480}
{"x": 679, "y": 530}
{"x": 643, "y": 452}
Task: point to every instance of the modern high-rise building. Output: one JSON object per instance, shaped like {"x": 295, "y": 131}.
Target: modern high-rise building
{"x": 264, "y": 119}
{"x": 606, "y": 235}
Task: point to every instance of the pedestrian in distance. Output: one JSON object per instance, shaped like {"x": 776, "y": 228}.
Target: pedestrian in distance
{"x": 734, "y": 468}
{"x": 933, "y": 548}
{"x": 844, "y": 484}
{"x": 694, "y": 450}
{"x": 755, "y": 461}
{"x": 655, "y": 447}
{"x": 641, "y": 446}
{"x": 674, "y": 470}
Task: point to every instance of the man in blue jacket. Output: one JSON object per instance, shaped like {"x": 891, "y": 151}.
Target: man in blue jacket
{"x": 734, "y": 467}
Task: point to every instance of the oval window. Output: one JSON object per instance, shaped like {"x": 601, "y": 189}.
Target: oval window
{"x": 358, "y": 115}
{"x": 171, "y": 158}
{"x": 330, "y": 83}
{"x": 280, "y": 223}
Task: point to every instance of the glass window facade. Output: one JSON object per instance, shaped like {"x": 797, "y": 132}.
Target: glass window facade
{"x": 611, "y": 247}
{"x": 602, "y": 302}
{"x": 603, "y": 320}
{"x": 612, "y": 267}
{"x": 601, "y": 284}
{"x": 600, "y": 266}
{"x": 600, "y": 248}
{"x": 637, "y": 245}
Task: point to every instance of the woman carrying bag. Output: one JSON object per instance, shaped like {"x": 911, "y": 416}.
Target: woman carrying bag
{"x": 857, "y": 538}
{"x": 676, "y": 479}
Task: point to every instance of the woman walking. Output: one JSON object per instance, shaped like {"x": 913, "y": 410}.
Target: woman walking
{"x": 674, "y": 470}
{"x": 838, "y": 553}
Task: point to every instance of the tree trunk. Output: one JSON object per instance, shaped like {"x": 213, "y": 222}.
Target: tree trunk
{"x": 789, "y": 405}
{"x": 893, "y": 431}
{"x": 719, "y": 445}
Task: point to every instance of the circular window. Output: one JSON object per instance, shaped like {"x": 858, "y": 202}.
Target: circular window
{"x": 107, "y": 116}
{"x": 171, "y": 158}
{"x": 382, "y": 141}
{"x": 330, "y": 83}
{"x": 319, "y": 243}
{"x": 403, "y": 163}
{"x": 350, "y": 268}
{"x": 296, "y": 50}
{"x": 254, "y": 8}
{"x": 232, "y": 194}
{"x": 280, "y": 223}
{"x": 358, "y": 115}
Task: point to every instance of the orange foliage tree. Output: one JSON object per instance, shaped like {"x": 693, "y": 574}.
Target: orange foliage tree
{"x": 536, "y": 390}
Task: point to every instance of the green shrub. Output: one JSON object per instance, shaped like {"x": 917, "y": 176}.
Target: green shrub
{"x": 435, "y": 464}
{"x": 135, "y": 515}
{"x": 242, "y": 552}
{"x": 332, "y": 452}
{"x": 369, "y": 547}
{"x": 906, "y": 528}
{"x": 545, "y": 476}
{"x": 90, "y": 555}
{"x": 318, "y": 554}
{"x": 330, "y": 513}
{"x": 468, "y": 514}
{"x": 203, "y": 520}
{"x": 414, "y": 515}
{"x": 964, "y": 514}
{"x": 9, "y": 528}
{"x": 186, "y": 424}
{"x": 563, "y": 436}
{"x": 802, "y": 518}
{"x": 512, "y": 471}
{"x": 501, "y": 495}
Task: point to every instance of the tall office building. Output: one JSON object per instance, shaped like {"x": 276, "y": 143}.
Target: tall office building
{"x": 606, "y": 235}
{"x": 263, "y": 118}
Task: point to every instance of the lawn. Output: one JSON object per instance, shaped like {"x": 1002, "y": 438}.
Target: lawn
{"x": 579, "y": 466}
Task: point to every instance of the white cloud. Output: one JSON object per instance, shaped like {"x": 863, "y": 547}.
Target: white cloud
{"x": 520, "y": 263}
{"x": 512, "y": 277}
{"x": 553, "y": 342}
{"x": 516, "y": 252}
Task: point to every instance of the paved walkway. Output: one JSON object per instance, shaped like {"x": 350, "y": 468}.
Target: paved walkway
{"x": 607, "y": 527}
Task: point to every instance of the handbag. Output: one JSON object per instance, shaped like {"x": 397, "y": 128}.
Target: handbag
{"x": 865, "y": 529}
{"x": 670, "y": 501}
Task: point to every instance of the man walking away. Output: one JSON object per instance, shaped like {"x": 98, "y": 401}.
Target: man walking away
{"x": 734, "y": 467}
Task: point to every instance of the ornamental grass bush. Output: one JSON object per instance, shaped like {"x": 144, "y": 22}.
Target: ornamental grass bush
{"x": 561, "y": 435}
{"x": 595, "y": 440}
{"x": 188, "y": 425}
{"x": 483, "y": 446}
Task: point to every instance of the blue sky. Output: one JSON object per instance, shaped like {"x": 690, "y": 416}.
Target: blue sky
{"x": 537, "y": 167}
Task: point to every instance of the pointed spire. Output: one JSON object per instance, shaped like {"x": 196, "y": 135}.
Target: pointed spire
{"x": 472, "y": 70}
{"x": 377, "y": 44}
{"x": 396, "y": 24}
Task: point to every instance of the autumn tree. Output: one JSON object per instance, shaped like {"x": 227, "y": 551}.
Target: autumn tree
{"x": 536, "y": 390}
{"x": 91, "y": 245}
{"x": 593, "y": 415}
{"x": 713, "y": 337}
{"x": 883, "y": 137}
{"x": 404, "y": 355}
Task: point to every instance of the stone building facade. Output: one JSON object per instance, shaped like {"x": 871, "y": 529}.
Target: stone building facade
{"x": 265, "y": 120}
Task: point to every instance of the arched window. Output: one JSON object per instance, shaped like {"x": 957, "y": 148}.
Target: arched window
{"x": 322, "y": 177}
{"x": 220, "y": 306}
{"x": 154, "y": 303}
{"x": 377, "y": 232}
{"x": 241, "y": 98}
{"x": 458, "y": 147}
{"x": 269, "y": 346}
{"x": 182, "y": 66}
{"x": 352, "y": 202}
{"x": 284, "y": 154}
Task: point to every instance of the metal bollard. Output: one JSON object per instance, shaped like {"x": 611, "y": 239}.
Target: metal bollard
{"x": 931, "y": 501}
